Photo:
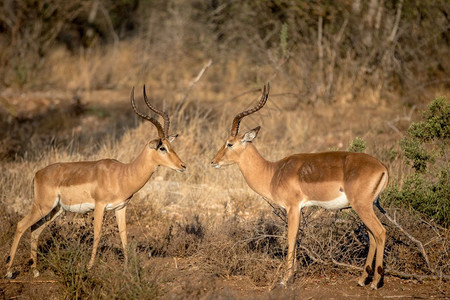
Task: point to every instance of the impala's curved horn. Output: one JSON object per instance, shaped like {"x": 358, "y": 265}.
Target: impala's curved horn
{"x": 237, "y": 119}
{"x": 163, "y": 114}
{"x": 146, "y": 117}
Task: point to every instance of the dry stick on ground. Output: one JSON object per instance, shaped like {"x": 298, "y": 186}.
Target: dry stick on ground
{"x": 416, "y": 276}
{"x": 419, "y": 243}
{"x": 28, "y": 281}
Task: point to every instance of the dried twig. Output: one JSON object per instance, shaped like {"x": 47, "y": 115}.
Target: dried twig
{"x": 415, "y": 276}
{"x": 390, "y": 124}
{"x": 419, "y": 243}
{"x": 27, "y": 281}
{"x": 196, "y": 79}
{"x": 278, "y": 211}
{"x": 348, "y": 266}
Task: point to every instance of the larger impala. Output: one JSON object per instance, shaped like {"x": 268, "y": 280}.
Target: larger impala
{"x": 332, "y": 180}
{"x": 101, "y": 185}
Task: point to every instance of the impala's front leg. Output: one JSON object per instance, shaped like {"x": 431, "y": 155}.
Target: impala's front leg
{"x": 122, "y": 224}
{"x": 293, "y": 223}
{"x": 98, "y": 220}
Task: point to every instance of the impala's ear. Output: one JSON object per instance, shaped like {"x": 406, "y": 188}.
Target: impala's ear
{"x": 154, "y": 144}
{"x": 250, "y": 135}
{"x": 172, "y": 137}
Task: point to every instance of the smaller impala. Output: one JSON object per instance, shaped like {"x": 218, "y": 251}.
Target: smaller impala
{"x": 332, "y": 180}
{"x": 106, "y": 184}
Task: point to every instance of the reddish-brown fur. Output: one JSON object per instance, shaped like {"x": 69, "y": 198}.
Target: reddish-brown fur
{"x": 97, "y": 185}
{"x": 330, "y": 179}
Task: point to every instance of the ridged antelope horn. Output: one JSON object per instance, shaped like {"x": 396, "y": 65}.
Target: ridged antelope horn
{"x": 146, "y": 117}
{"x": 159, "y": 112}
{"x": 239, "y": 117}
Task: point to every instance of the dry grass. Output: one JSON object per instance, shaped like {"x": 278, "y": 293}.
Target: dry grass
{"x": 207, "y": 217}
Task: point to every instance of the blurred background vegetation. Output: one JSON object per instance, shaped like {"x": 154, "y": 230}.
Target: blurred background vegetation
{"x": 326, "y": 50}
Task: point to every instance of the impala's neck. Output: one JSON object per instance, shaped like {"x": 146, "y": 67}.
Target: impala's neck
{"x": 139, "y": 171}
{"x": 257, "y": 171}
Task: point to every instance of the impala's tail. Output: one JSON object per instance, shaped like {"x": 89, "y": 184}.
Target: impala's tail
{"x": 380, "y": 187}
{"x": 378, "y": 205}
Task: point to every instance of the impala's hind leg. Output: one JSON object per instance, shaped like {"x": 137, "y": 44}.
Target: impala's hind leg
{"x": 37, "y": 213}
{"x": 36, "y": 230}
{"x": 367, "y": 271}
{"x": 378, "y": 232}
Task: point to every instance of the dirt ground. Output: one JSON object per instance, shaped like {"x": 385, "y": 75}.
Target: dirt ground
{"x": 323, "y": 287}
{"x": 182, "y": 280}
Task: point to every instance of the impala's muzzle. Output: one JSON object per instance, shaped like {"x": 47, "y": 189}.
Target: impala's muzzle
{"x": 181, "y": 169}
{"x": 215, "y": 165}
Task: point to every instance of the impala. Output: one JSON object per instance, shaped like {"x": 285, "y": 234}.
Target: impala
{"x": 332, "y": 180}
{"x": 106, "y": 184}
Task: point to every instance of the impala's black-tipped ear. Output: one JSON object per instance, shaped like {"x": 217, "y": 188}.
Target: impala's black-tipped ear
{"x": 250, "y": 135}
{"x": 154, "y": 144}
{"x": 172, "y": 137}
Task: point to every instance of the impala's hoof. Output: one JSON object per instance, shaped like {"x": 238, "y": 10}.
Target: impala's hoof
{"x": 36, "y": 273}
{"x": 362, "y": 282}
{"x": 374, "y": 286}
{"x": 278, "y": 286}
{"x": 12, "y": 275}
{"x": 89, "y": 266}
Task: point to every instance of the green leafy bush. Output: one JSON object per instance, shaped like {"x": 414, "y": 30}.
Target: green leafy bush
{"x": 425, "y": 147}
{"x": 357, "y": 145}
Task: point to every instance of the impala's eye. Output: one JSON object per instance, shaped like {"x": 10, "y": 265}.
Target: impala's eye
{"x": 162, "y": 149}
{"x": 229, "y": 145}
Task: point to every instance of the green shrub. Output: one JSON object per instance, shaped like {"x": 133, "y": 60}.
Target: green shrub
{"x": 427, "y": 140}
{"x": 284, "y": 40}
{"x": 425, "y": 148}
{"x": 357, "y": 145}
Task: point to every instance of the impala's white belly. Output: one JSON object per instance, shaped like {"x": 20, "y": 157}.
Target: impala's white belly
{"x": 112, "y": 206}
{"x": 338, "y": 203}
{"x": 78, "y": 199}
{"x": 87, "y": 207}
{"x": 78, "y": 208}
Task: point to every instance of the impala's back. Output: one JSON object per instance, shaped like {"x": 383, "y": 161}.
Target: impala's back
{"x": 329, "y": 179}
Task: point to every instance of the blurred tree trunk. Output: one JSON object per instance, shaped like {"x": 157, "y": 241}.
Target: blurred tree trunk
{"x": 356, "y": 7}
{"x": 373, "y": 4}
{"x": 91, "y": 20}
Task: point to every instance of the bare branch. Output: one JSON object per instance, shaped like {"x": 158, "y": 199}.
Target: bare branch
{"x": 196, "y": 79}
{"x": 397, "y": 22}
{"x": 419, "y": 243}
